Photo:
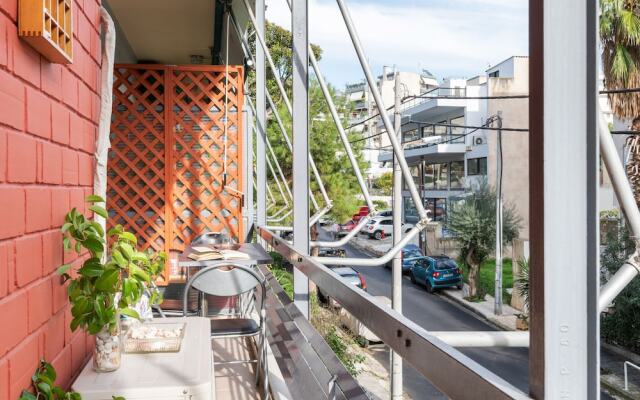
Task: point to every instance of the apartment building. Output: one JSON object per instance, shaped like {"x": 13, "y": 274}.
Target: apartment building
{"x": 463, "y": 155}
{"x": 363, "y": 106}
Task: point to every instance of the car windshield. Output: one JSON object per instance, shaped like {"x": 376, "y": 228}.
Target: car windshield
{"x": 411, "y": 253}
{"x": 446, "y": 264}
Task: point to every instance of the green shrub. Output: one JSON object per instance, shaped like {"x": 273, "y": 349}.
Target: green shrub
{"x": 621, "y": 325}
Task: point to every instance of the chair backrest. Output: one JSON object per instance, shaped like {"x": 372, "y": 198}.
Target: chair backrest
{"x": 228, "y": 279}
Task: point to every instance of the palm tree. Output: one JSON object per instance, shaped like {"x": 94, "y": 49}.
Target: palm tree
{"x": 620, "y": 36}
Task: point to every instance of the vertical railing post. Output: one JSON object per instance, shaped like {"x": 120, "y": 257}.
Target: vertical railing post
{"x": 396, "y": 280}
{"x": 261, "y": 121}
{"x": 247, "y": 125}
{"x": 564, "y": 160}
{"x": 300, "y": 148}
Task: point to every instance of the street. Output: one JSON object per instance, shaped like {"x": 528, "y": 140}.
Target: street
{"x": 436, "y": 313}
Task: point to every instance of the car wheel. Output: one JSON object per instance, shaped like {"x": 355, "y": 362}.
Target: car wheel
{"x": 413, "y": 278}
{"x": 460, "y": 286}
{"x": 430, "y": 288}
{"x": 377, "y": 235}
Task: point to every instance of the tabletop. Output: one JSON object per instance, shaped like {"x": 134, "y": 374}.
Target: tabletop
{"x": 257, "y": 256}
{"x": 188, "y": 372}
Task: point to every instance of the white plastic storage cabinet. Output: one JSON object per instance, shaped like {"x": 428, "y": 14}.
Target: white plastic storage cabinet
{"x": 185, "y": 375}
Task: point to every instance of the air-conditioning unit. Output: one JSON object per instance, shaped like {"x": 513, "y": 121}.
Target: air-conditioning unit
{"x": 478, "y": 140}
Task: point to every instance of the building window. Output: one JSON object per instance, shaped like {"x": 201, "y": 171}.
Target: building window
{"x": 494, "y": 74}
{"x": 477, "y": 166}
{"x": 429, "y": 176}
{"x": 441, "y": 175}
{"x": 456, "y": 131}
{"x": 410, "y": 136}
{"x": 416, "y": 173}
{"x": 436, "y": 208}
{"x": 427, "y": 131}
{"x": 410, "y": 212}
{"x": 457, "y": 174}
{"x": 441, "y": 129}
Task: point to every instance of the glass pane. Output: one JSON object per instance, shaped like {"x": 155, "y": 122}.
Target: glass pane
{"x": 442, "y": 176}
{"x": 427, "y": 131}
{"x": 441, "y": 130}
{"x": 472, "y": 166}
{"x": 457, "y": 121}
{"x": 457, "y": 174}
{"x": 429, "y": 176}
{"x": 440, "y": 209}
{"x": 482, "y": 166}
{"x": 430, "y": 206}
{"x": 410, "y": 213}
{"x": 411, "y": 136}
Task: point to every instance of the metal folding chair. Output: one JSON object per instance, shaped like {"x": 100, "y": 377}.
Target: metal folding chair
{"x": 232, "y": 279}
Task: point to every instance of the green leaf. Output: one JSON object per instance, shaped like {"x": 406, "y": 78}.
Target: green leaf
{"x": 117, "y": 398}
{"x": 94, "y": 245}
{"x": 63, "y": 269}
{"x": 100, "y": 211}
{"x": 78, "y": 247}
{"x": 127, "y": 250}
{"x": 130, "y": 312}
{"x": 92, "y": 268}
{"x": 45, "y": 389}
{"x": 129, "y": 237}
{"x": 108, "y": 280}
{"x": 116, "y": 255}
{"x": 66, "y": 242}
{"x": 94, "y": 198}
{"x": 27, "y": 396}
{"x": 49, "y": 371}
{"x": 66, "y": 227}
{"x": 98, "y": 306}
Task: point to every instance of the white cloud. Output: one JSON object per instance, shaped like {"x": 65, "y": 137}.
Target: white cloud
{"x": 449, "y": 38}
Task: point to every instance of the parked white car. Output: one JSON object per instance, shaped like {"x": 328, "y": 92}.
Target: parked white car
{"x": 378, "y": 228}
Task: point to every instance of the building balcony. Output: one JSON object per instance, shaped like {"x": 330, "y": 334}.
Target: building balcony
{"x": 447, "y": 149}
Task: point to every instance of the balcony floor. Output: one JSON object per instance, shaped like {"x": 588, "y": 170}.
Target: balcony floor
{"x": 234, "y": 381}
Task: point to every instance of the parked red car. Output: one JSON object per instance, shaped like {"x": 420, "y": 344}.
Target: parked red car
{"x": 362, "y": 212}
{"x": 346, "y": 228}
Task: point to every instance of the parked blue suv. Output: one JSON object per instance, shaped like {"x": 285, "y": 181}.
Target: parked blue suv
{"x": 410, "y": 253}
{"x": 436, "y": 272}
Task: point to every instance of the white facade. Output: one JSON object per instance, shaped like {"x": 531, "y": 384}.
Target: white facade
{"x": 363, "y": 106}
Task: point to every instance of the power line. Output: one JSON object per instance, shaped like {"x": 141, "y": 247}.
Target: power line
{"x": 623, "y": 90}
{"x": 474, "y": 127}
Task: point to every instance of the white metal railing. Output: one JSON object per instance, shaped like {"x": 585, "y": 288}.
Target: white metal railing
{"x": 626, "y": 377}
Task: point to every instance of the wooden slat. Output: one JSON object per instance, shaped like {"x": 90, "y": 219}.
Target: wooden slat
{"x": 167, "y": 149}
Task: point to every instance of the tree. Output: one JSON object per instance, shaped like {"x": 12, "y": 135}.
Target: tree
{"x": 620, "y": 36}
{"x": 473, "y": 220}
{"x": 325, "y": 146}
{"x": 384, "y": 183}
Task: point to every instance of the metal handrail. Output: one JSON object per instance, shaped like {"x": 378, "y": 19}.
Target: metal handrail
{"x": 444, "y": 366}
{"x": 626, "y": 379}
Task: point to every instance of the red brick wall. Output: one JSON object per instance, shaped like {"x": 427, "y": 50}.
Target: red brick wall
{"x": 48, "y": 127}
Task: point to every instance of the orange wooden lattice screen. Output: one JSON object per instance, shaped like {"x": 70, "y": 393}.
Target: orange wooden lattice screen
{"x": 166, "y": 180}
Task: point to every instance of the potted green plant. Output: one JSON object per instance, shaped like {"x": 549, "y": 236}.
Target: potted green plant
{"x": 109, "y": 283}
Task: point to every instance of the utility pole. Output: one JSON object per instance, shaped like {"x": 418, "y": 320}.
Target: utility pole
{"x": 497, "y": 310}
{"x": 396, "y": 296}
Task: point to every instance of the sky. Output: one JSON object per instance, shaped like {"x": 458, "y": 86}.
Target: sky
{"x": 450, "y": 38}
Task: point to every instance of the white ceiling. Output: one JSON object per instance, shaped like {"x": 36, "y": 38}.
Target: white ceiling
{"x": 166, "y": 31}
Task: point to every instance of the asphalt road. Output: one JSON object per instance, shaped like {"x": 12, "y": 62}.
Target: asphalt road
{"x": 436, "y": 313}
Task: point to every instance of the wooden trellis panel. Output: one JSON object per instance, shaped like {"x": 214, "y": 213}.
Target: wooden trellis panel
{"x": 166, "y": 180}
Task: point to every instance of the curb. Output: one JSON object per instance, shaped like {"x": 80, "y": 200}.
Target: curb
{"x": 622, "y": 352}
{"x": 607, "y": 382}
{"x": 468, "y": 306}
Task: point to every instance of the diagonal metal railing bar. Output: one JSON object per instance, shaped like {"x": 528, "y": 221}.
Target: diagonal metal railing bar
{"x": 431, "y": 357}
{"x": 281, "y": 88}
{"x": 630, "y": 269}
{"x": 397, "y": 150}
